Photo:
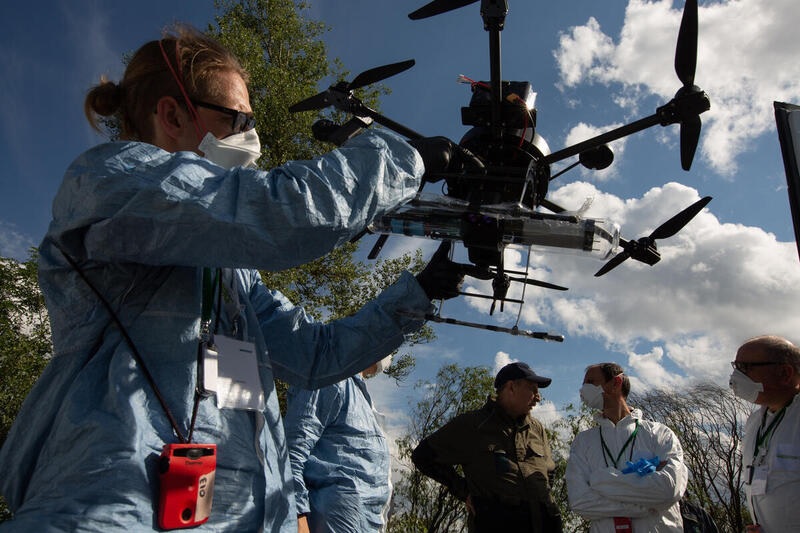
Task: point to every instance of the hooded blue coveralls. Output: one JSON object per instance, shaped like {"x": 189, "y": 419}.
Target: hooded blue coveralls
{"x": 142, "y": 224}
{"x": 339, "y": 456}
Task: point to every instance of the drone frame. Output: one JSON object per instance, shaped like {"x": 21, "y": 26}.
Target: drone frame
{"x": 684, "y": 109}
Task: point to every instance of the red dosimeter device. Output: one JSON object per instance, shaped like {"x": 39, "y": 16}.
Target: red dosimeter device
{"x": 187, "y": 484}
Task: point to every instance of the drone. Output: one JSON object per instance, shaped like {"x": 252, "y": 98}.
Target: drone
{"x": 505, "y": 202}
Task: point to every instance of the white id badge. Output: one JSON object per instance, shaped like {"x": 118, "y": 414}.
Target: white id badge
{"x": 209, "y": 369}
{"x": 759, "y": 484}
{"x": 238, "y": 384}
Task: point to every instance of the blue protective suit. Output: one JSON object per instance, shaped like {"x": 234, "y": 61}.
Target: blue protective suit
{"x": 142, "y": 222}
{"x": 339, "y": 456}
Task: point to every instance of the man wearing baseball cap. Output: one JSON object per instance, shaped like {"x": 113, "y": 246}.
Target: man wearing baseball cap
{"x": 505, "y": 457}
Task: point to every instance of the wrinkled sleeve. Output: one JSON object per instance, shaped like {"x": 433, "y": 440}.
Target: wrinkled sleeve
{"x": 584, "y": 499}
{"x": 137, "y": 203}
{"x": 658, "y": 490}
{"x": 308, "y": 413}
{"x": 310, "y": 354}
{"x": 436, "y": 455}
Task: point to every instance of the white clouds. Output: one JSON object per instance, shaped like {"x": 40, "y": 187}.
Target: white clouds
{"x": 546, "y": 412}
{"x": 501, "y": 359}
{"x": 747, "y": 58}
{"x": 584, "y": 53}
{"x": 14, "y": 244}
{"x": 682, "y": 319}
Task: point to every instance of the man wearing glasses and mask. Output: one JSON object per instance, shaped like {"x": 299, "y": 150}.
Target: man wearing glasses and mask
{"x": 766, "y": 372}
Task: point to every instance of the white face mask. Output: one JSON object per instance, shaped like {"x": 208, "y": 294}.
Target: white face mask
{"x": 744, "y": 387}
{"x": 378, "y": 367}
{"x": 238, "y": 150}
{"x": 384, "y": 363}
{"x": 592, "y": 395}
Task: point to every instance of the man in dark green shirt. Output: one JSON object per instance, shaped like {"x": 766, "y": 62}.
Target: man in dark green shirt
{"x": 505, "y": 457}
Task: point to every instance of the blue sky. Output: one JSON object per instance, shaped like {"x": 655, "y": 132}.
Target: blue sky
{"x": 732, "y": 273}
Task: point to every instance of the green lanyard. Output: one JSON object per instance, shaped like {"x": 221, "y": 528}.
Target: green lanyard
{"x": 607, "y": 453}
{"x": 764, "y": 436}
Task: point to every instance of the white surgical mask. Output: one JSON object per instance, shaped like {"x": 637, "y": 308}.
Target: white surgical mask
{"x": 744, "y": 387}
{"x": 592, "y": 395}
{"x": 238, "y": 150}
{"x": 384, "y": 363}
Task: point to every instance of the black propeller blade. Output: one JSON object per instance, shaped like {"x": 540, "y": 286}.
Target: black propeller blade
{"x": 616, "y": 260}
{"x": 373, "y": 75}
{"x": 377, "y": 74}
{"x": 685, "y": 66}
{"x": 318, "y": 101}
{"x": 686, "y": 49}
{"x": 437, "y": 7}
{"x": 676, "y": 223}
{"x": 690, "y": 136}
{"x": 644, "y": 249}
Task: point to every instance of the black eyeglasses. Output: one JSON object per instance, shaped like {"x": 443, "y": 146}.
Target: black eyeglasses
{"x": 241, "y": 121}
{"x": 744, "y": 367}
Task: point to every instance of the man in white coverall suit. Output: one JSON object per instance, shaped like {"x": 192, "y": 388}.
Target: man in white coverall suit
{"x": 626, "y": 473}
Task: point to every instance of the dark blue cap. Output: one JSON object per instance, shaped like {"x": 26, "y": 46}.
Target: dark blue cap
{"x": 519, "y": 370}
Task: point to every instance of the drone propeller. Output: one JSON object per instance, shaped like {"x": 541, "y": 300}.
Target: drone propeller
{"x": 437, "y": 7}
{"x": 684, "y": 109}
{"x": 644, "y": 249}
{"x": 373, "y": 75}
{"x": 685, "y": 66}
{"x": 686, "y": 49}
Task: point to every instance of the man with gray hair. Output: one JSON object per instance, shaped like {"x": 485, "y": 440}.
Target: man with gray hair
{"x": 766, "y": 372}
{"x": 626, "y": 473}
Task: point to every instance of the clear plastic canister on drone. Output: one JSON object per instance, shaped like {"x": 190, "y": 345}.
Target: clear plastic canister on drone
{"x": 506, "y": 225}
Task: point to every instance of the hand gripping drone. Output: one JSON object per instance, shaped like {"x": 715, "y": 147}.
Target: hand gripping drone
{"x": 490, "y": 208}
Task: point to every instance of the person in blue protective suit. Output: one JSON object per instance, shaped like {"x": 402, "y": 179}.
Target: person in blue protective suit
{"x": 626, "y": 473}
{"x": 165, "y": 339}
{"x": 339, "y": 456}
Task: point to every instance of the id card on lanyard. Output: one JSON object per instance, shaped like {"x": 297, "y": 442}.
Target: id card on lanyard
{"x": 227, "y": 367}
{"x": 231, "y": 372}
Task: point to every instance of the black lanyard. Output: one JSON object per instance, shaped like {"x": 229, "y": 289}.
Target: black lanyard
{"x": 137, "y": 356}
{"x": 206, "y": 337}
{"x": 208, "y": 300}
{"x": 631, "y": 441}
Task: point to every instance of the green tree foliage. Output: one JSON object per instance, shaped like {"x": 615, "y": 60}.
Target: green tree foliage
{"x": 25, "y": 346}
{"x": 419, "y": 504}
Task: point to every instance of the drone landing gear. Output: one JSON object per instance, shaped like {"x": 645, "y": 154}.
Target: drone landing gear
{"x": 501, "y": 282}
